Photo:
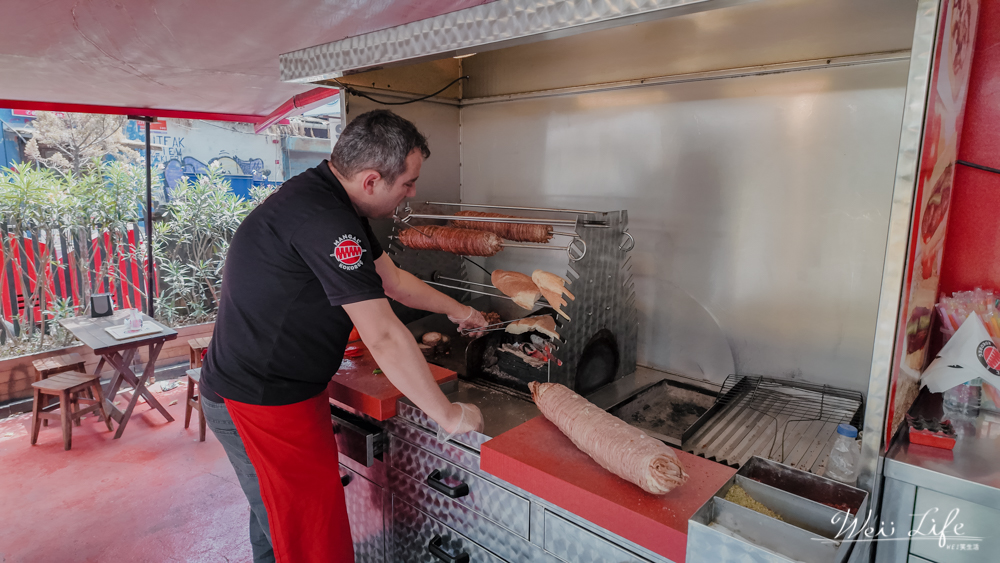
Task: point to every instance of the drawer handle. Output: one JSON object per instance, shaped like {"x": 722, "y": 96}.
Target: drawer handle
{"x": 435, "y": 548}
{"x": 458, "y": 491}
{"x": 345, "y": 479}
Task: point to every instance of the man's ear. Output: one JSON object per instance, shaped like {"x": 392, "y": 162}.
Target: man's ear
{"x": 369, "y": 179}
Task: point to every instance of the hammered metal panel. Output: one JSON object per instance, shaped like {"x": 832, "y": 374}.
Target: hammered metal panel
{"x": 472, "y": 29}
{"x": 537, "y": 525}
{"x": 411, "y": 413}
{"x": 475, "y": 526}
{"x": 364, "y": 512}
{"x": 573, "y": 544}
{"x": 413, "y": 531}
{"x": 429, "y": 442}
{"x": 493, "y": 502}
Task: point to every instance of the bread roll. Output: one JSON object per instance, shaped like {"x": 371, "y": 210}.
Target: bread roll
{"x": 517, "y": 286}
{"x": 552, "y": 287}
{"x": 542, "y": 323}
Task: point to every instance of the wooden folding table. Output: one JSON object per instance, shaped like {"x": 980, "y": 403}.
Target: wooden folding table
{"x": 120, "y": 353}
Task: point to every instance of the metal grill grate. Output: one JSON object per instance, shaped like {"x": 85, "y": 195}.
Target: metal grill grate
{"x": 790, "y": 422}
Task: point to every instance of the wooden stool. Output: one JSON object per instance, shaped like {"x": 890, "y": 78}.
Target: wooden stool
{"x": 58, "y": 364}
{"x": 194, "y": 402}
{"x": 66, "y": 386}
{"x": 196, "y": 347}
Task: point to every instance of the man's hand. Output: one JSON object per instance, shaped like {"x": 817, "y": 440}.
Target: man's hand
{"x": 464, "y": 418}
{"x": 469, "y": 319}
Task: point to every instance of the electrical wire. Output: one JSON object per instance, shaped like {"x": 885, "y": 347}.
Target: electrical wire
{"x": 978, "y": 166}
{"x": 355, "y": 92}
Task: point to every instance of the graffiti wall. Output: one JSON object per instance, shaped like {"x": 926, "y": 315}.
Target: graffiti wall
{"x": 184, "y": 146}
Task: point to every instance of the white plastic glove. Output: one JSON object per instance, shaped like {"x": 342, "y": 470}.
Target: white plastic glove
{"x": 474, "y": 319}
{"x": 472, "y": 420}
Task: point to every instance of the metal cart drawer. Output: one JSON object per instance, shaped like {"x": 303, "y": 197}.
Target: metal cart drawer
{"x": 357, "y": 438}
{"x": 573, "y": 544}
{"x": 957, "y": 519}
{"x": 462, "y": 486}
{"x": 419, "y": 538}
{"x": 364, "y": 511}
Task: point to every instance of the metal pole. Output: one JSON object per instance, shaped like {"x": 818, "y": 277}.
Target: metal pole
{"x": 149, "y": 224}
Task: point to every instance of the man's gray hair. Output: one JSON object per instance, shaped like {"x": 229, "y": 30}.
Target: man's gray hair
{"x": 377, "y": 140}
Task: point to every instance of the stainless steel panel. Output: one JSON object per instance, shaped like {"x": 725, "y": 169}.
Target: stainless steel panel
{"x": 490, "y": 26}
{"x": 707, "y": 545}
{"x": 428, "y": 441}
{"x": 750, "y": 35}
{"x": 915, "y": 559}
{"x": 500, "y": 506}
{"x": 743, "y": 535}
{"x": 968, "y": 531}
{"x": 413, "y": 530}
{"x": 573, "y": 544}
{"x": 364, "y": 512}
{"x": 895, "y": 515}
{"x": 763, "y": 199}
{"x": 898, "y": 229}
{"x": 357, "y": 438}
{"x": 410, "y": 413}
{"x": 971, "y": 471}
{"x": 440, "y": 174}
{"x": 476, "y": 527}
{"x": 537, "y": 525}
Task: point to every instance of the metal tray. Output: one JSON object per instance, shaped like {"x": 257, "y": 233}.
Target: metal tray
{"x": 811, "y": 530}
{"x": 790, "y": 421}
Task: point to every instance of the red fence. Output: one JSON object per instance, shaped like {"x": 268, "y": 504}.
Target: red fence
{"x": 67, "y": 275}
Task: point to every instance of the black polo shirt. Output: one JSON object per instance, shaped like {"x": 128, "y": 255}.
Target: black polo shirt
{"x": 295, "y": 260}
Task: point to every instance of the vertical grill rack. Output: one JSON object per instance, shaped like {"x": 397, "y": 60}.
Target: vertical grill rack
{"x": 599, "y": 275}
{"x": 787, "y": 421}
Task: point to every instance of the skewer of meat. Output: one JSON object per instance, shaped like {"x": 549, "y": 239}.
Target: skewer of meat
{"x": 519, "y": 232}
{"x": 618, "y": 447}
{"x": 467, "y": 242}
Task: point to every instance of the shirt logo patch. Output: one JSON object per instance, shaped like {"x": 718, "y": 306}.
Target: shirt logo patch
{"x": 348, "y": 250}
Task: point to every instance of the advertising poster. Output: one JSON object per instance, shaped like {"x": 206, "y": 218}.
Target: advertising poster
{"x": 939, "y": 151}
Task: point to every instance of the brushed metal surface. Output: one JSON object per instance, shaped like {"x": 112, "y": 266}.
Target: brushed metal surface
{"x": 490, "y": 26}
{"x": 896, "y": 514}
{"x": 750, "y": 35}
{"x": 573, "y": 544}
{"x": 896, "y": 239}
{"x": 764, "y": 198}
{"x": 364, "y": 512}
{"x": 413, "y": 531}
{"x": 473, "y": 525}
{"x": 490, "y": 500}
{"x": 971, "y": 471}
{"x": 969, "y": 529}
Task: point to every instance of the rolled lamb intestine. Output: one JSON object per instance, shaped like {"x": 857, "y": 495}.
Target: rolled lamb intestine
{"x": 616, "y": 446}
{"x": 521, "y": 232}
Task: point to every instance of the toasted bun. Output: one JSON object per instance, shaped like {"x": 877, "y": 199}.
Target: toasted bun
{"x": 517, "y": 286}
{"x": 551, "y": 282}
{"x": 542, "y": 323}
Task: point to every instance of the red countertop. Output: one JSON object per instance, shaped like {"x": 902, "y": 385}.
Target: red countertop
{"x": 356, "y": 386}
{"x": 537, "y": 457}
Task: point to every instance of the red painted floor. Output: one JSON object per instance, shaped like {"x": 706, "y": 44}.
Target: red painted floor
{"x": 157, "y": 494}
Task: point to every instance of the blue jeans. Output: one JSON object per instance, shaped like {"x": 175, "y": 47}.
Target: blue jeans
{"x": 222, "y": 426}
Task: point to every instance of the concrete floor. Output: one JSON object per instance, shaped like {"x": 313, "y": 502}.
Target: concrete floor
{"x": 156, "y": 494}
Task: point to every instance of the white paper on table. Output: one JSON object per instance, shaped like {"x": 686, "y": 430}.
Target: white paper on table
{"x": 969, "y": 354}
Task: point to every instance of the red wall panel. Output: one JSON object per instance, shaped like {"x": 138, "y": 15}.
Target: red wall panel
{"x": 972, "y": 248}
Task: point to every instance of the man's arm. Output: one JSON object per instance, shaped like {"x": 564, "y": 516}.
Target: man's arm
{"x": 413, "y": 292}
{"x": 395, "y": 350}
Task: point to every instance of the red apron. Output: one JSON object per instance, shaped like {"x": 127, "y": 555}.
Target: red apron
{"x": 294, "y": 452}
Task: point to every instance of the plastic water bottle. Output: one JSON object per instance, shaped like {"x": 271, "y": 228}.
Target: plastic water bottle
{"x": 964, "y": 399}
{"x": 843, "y": 463}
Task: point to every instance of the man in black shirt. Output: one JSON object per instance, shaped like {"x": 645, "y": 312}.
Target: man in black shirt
{"x": 302, "y": 269}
